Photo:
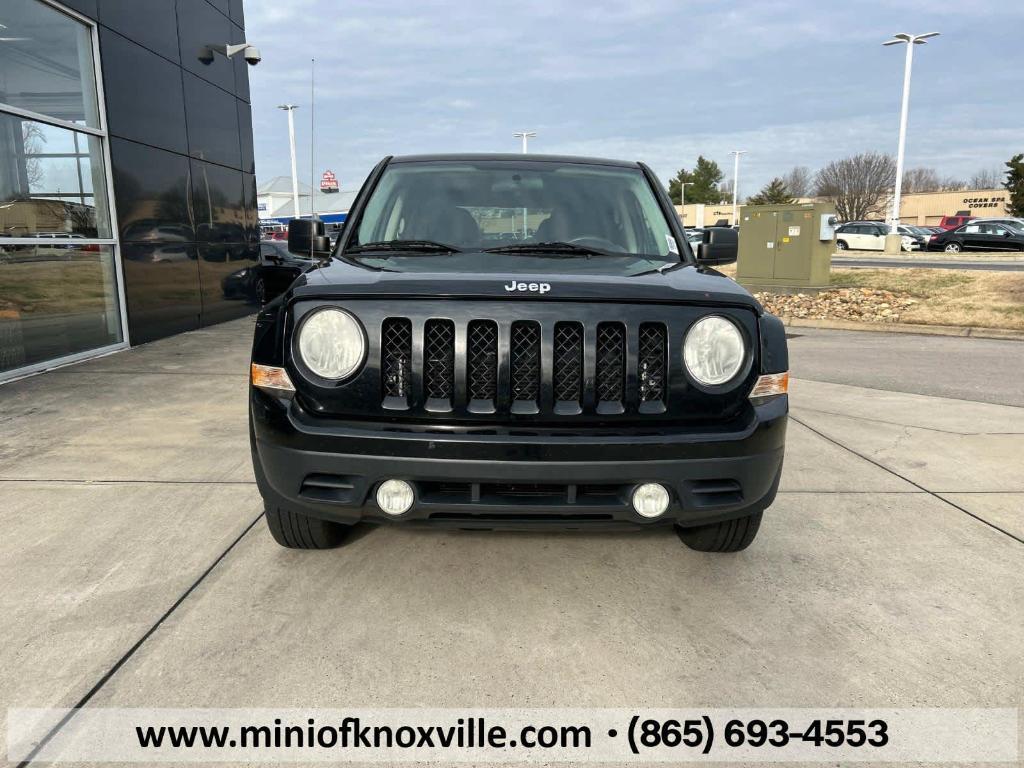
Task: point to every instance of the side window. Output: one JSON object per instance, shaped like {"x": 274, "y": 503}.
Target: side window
{"x": 972, "y": 229}
{"x": 996, "y": 230}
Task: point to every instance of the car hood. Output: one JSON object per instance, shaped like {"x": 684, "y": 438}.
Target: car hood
{"x": 686, "y": 284}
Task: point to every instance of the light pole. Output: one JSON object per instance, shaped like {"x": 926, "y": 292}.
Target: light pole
{"x": 892, "y": 244}
{"x": 682, "y": 200}
{"x": 290, "y": 109}
{"x": 525, "y": 136}
{"x": 736, "y": 183}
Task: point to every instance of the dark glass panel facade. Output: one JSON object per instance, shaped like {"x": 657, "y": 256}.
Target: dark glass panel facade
{"x": 154, "y": 114}
{"x": 212, "y": 123}
{"x": 200, "y": 24}
{"x": 152, "y": 24}
{"x": 161, "y": 283}
{"x": 151, "y": 187}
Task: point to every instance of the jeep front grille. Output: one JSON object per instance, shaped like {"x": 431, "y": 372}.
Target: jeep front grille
{"x": 653, "y": 362}
{"x": 396, "y": 358}
{"x": 524, "y": 367}
{"x": 439, "y": 360}
{"x": 482, "y": 364}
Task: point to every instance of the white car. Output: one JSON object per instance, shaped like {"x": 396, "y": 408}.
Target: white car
{"x": 866, "y": 236}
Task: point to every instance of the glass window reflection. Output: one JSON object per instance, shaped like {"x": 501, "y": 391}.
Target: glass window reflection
{"x": 56, "y": 299}
{"x": 51, "y": 181}
{"x": 46, "y": 63}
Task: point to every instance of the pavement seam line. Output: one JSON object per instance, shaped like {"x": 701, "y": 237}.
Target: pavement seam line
{"x": 908, "y": 480}
{"x": 71, "y": 481}
{"x": 798, "y": 379}
{"x": 138, "y": 644}
{"x": 912, "y": 426}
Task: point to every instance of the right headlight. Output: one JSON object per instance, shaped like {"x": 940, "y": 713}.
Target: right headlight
{"x": 331, "y": 343}
{"x": 714, "y": 350}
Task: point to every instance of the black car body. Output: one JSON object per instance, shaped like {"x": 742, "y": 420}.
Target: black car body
{"x": 542, "y": 383}
{"x": 978, "y": 236}
{"x": 277, "y": 269}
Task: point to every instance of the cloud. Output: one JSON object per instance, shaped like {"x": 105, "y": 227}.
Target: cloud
{"x": 792, "y": 82}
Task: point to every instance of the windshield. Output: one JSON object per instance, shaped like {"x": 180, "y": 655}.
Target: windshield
{"x": 490, "y": 215}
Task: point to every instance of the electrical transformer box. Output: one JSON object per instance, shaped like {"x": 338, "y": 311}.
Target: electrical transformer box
{"x": 785, "y": 246}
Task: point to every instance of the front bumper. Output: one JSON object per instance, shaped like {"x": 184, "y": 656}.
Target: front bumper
{"x": 514, "y": 478}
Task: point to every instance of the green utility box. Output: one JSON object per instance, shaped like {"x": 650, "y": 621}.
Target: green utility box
{"x": 787, "y": 247}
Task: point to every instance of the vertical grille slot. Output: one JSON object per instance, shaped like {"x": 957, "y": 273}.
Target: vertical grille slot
{"x": 653, "y": 363}
{"x": 524, "y": 345}
{"x": 439, "y": 363}
{"x": 611, "y": 367}
{"x": 396, "y": 361}
{"x": 568, "y": 367}
{"x": 482, "y": 365}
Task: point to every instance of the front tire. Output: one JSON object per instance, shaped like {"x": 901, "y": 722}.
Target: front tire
{"x": 727, "y": 536}
{"x": 952, "y": 248}
{"x": 295, "y": 530}
{"x": 841, "y": 245}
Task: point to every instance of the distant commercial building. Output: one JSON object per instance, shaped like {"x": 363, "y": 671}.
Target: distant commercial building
{"x": 921, "y": 208}
{"x": 275, "y": 201}
{"x": 127, "y": 182}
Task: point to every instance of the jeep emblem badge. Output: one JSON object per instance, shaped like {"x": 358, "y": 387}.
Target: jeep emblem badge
{"x": 528, "y": 287}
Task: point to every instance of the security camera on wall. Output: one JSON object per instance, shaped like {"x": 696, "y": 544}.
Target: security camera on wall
{"x": 250, "y": 53}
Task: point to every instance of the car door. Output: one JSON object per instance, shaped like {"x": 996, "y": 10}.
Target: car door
{"x": 877, "y": 237}
{"x": 971, "y": 237}
{"x": 856, "y": 237}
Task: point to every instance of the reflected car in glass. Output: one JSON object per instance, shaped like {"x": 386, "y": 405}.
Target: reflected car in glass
{"x": 500, "y": 340}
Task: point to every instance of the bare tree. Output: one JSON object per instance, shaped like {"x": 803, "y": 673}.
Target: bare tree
{"x": 921, "y": 180}
{"x": 799, "y": 181}
{"x": 858, "y": 185}
{"x": 952, "y": 184}
{"x": 987, "y": 178}
{"x": 33, "y": 139}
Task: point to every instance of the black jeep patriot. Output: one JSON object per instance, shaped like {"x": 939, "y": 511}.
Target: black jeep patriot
{"x": 517, "y": 340}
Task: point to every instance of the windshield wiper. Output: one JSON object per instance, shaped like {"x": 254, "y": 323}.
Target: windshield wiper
{"x": 557, "y": 248}
{"x": 412, "y": 246}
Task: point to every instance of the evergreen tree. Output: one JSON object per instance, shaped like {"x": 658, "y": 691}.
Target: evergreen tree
{"x": 702, "y": 183}
{"x": 1015, "y": 184}
{"x": 772, "y": 193}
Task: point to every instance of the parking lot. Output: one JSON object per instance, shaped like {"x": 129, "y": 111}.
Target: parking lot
{"x": 135, "y": 569}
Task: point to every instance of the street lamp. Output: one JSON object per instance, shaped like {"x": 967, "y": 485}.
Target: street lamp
{"x": 290, "y": 108}
{"x": 736, "y": 183}
{"x": 682, "y": 200}
{"x": 893, "y": 246}
{"x": 524, "y": 135}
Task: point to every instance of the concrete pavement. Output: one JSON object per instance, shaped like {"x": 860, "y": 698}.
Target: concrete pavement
{"x": 134, "y": 569}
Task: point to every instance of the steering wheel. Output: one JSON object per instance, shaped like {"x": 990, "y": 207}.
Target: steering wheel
{"x": 598, "y": 242}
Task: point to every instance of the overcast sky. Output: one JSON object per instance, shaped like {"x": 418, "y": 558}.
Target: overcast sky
{"x": 793, "y": 82}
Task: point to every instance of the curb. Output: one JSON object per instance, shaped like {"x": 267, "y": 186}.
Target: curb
{"x": 921, "y": 330}
{"x": 842, "y": 256}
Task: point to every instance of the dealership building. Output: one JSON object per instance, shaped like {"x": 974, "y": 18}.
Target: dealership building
{"x": 920, "y": 208}
{"x": 127, "y": 182}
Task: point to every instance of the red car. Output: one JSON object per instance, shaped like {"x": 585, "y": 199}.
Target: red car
{"x": 952, "y": 222}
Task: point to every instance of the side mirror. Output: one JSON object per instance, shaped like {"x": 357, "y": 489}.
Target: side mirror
{"x": 720, "y": 246}
{"x": 305, "y": 237}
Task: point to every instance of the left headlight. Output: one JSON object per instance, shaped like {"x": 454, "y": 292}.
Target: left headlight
{"x": 331, "y": 343}
{"x": 714, "y": 351}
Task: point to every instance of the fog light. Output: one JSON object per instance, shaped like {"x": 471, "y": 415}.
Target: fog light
{"x": 395, "y": 497}
{"x": 650, "y": 500}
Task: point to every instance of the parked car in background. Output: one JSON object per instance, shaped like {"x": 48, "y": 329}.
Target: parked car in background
{"x": 919, "y": 236}
{"x": 694, "y": 237}
{"x": 866, "y": 236}
{"x": 952, "y": 222}
{"x": 978, "y": 236}
{"x": 1013, "y": 222}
